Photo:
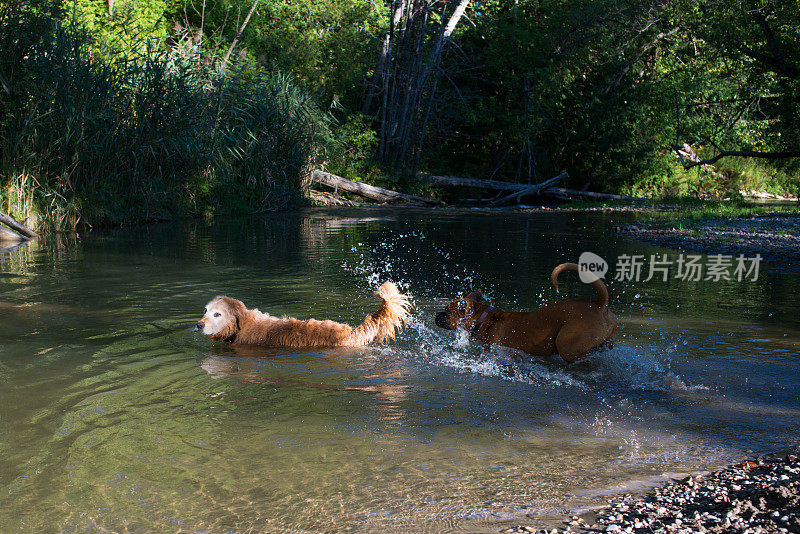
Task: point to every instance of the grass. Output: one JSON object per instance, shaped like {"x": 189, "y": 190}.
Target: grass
{"x": 693, "y": 210}
{"x": 728, "y": 178}
{"x": 683, "y": 210}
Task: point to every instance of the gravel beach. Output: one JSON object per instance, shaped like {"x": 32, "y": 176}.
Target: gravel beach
{"x": 752, "y": 497}
{"x": 775, "y": 238}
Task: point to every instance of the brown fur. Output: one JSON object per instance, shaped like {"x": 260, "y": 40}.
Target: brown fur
{"x": 570, "y": 328}
{"x": 251, "y": 327}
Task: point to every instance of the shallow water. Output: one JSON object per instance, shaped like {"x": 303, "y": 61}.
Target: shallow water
{"x": 114, "y": 416}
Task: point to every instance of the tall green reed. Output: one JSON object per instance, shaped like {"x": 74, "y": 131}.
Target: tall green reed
{"x": 144, "y": 134}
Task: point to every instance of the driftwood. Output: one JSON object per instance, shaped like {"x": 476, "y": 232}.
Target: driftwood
{"x": 530, "y": 190}
{"x": 331, "y": 199}
{"x": 367, "y": 191}
{"x": 473, "y": 182}
{"x": 518, "y": 191}
{"x": 27, "y": 233}
{"x": 557, "y": 192}
{"x": 591, "y": 194}
{"x": 7, "y": 237}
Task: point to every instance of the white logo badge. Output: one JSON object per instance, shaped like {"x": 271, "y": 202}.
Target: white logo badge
{"x": 591, "y": 267}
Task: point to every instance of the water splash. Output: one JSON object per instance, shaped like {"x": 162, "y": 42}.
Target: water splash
{"x": 623, "y": 367}
{"x": 387, "y": 259}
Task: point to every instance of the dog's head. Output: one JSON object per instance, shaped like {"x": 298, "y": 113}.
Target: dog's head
{"x": 458, "y": 312}
{"x": 222, "y": 318}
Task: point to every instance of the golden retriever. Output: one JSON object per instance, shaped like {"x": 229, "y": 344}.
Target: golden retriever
{"x": 227, "y": 319}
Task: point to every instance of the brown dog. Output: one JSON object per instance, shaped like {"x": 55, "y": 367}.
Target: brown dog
{"x": 570, "y": 328}
{"x": 227, "y": 319}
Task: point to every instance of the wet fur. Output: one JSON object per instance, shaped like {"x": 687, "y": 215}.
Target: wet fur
{"x": 570, "y": 328}
{"x": 252, "y": 327}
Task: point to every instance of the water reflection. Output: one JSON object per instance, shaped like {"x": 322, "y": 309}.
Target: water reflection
{"x": 384, "y": 383}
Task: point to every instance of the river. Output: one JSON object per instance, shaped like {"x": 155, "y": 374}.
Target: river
{"x": 114, "y": 416}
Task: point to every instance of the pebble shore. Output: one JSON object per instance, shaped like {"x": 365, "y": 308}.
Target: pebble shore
{"x": 754, "y": 497}
{"x": 775, "y": 238}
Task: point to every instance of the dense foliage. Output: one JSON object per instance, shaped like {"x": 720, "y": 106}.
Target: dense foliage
{"x": 607, "y": 89}
{"x": 622, "y": 94}
{"x": 142, "y": 133}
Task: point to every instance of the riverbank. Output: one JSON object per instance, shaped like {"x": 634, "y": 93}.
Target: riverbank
{"x": 774, "y": 237}
{"x": 700, "y": 226}
{"x": 757, "y": 496}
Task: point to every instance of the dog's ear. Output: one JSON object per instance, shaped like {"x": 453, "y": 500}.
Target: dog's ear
{"x": 237, "y": 309}
{"x": 476, "y": 296}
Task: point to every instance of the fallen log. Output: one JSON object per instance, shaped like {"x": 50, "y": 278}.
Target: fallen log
{"x": 367, "y": 191}
{"x": 16, "y": 226}
{"x": 473, "y": 182}
{"x": 7, "y": 237}
{"x": 330, "y": 199}
{"x": 559, "y": 192}
{"x": 530, "y": 190}
{"x": 592, "y": 194}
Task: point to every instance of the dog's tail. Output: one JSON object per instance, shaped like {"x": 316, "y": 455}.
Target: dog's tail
{"x": 386, "y": 321}
{"x": 602, "y": 291}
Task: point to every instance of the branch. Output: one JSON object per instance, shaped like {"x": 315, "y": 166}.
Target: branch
{"x": 532, "y": 190}
{"x": 776, "y": 65}
{"x": 774, "y": 59}
{"x": 445, "y": 36}
{"x": 26, "y": 232}
{"x": 726, "y": 101}
{"x": 366, "y": 190}
{"x": 618, "y": 78}
{"x": 734, "y": 153}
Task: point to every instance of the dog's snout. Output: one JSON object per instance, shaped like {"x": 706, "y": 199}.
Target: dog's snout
{"x": 441, "y": 320}
{"x": 199, "y": 326}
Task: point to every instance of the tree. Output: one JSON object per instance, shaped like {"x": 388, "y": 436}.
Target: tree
{"x": 328, "y": 46}
{"x": 407, "y": 67}
{"x": 750, "y": 61}
{"x": 552, "y": 85}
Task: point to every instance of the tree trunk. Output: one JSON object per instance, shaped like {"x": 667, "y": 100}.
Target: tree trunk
{"x": 508, "y": 186}
{"x": 590, "y": 194}
{"x": 473, "y": 182}
{"x": 448, "y": 31}
{"x": 407, "y": 71}
{"x": 379, "y": 75}
{"x": 419, "y": 80}
{"x": 530, "y": 190}
{"x": 239, "y": 33}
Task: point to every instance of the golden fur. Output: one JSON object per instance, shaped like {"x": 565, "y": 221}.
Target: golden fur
{"x": 227, "y": 319}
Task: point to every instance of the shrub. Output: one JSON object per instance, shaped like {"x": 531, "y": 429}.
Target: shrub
{"x": 143, "y": 134}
